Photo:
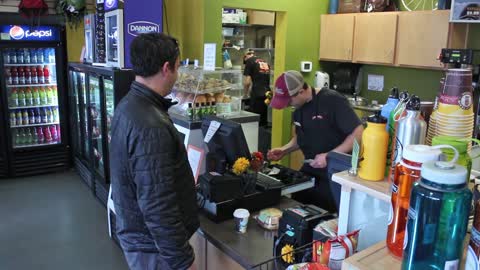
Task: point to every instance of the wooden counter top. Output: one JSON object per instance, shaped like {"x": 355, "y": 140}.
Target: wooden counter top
{"x": 376, "y": 189}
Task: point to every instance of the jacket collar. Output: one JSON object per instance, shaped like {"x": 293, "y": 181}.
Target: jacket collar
{"x": 143, "y": 91}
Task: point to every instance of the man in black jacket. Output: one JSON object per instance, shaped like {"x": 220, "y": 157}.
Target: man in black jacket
{"x": 152, "y": 183}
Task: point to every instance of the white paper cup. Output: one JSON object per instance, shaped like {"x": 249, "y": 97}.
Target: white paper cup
{"x": 241, "y": 220}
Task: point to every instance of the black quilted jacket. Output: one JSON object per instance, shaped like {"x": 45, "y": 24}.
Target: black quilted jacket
{"x": 152, "y": 183}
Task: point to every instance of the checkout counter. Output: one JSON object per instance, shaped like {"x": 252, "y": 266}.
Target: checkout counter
{"x": 217, "y": 245}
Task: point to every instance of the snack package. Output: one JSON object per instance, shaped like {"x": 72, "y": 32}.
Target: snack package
{"x": 308, "y": 266}
{"x": 330, "y": 249}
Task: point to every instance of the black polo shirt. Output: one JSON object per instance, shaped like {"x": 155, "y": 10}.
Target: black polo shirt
{"x": 324, "y": 123}
{"x": 259, "y": 71}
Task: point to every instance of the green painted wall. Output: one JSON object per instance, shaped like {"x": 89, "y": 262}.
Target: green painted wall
{"x": 302, "y": 26}
{"x": 185, "y": 19}
{"x": 423, "y": 83}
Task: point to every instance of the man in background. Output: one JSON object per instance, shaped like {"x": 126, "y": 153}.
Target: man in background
{"x": 153, "y": 187}
{"x": 257, "y": 76}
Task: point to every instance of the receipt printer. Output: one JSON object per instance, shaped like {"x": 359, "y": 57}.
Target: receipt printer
{"x": 218, "y": 188}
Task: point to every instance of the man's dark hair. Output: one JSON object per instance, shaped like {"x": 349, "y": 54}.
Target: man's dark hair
{"x": 149, "y": 52}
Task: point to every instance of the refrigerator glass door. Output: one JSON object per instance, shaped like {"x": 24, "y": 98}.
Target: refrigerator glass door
{"x": 114, "y": 38}
{"x": 84, "y": 116}
{"x": 109, "y": 105}
{"x": 96, "y": 122}
{"x": 75, "y": 113}
{"x": 32, "y": 96}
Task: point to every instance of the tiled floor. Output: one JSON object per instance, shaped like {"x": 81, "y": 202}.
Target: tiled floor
{"x": 54, "y": 222}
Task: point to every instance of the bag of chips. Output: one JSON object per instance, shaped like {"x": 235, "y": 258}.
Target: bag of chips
{"x": 308, "y": 266}
{"x": 331, "y": 249}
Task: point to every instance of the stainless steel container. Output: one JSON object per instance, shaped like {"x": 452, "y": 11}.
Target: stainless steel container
{"x": 411, "y": 129}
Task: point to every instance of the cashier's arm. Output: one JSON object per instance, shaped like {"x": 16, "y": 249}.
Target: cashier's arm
{"x": 347, "y": 145}
{"x": 247, "y": 82}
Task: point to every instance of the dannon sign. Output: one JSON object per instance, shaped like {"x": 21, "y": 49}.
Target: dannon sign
{"x": 142, "y": 27}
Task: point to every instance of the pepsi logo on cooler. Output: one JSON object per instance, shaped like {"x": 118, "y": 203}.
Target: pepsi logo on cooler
{"x": 24, "y": 32}
{"x": 16, "y": 32}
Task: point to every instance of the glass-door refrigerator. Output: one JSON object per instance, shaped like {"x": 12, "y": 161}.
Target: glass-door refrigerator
{"x": 98, "y": 91}
{"x": 79, "y": 119}
{"x": 33, "y": 96}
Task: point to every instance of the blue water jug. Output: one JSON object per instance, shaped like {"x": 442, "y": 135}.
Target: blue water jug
{"x": 437, "y": 218}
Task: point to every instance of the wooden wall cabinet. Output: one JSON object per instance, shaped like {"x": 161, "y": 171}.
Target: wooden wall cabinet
{"x": 374, "y": 40}
{"x": 336, "y": 37}
{"x": 407, "y": 39}
{"x": 422, "y": 35}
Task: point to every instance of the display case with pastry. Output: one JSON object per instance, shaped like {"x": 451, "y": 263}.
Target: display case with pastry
{"x": 221, "y": 88}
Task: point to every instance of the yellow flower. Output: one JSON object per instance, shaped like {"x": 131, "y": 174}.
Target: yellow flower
{"x": 240, "y": 165}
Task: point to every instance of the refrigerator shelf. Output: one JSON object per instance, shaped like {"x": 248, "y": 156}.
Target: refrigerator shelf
{"x": 27, "y": 65}
{"x": 30, "y": 85}
{"x": 32, "y": 107}
{"x": 36, "y": 125}
{"x": 34, "y": 145}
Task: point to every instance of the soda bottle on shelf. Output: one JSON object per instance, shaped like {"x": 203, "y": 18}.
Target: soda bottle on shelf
{"x": 18, "y": 138}
{"x": 43, "y": 96}
{"x": 8, "y": 76}
{"x": 34, "y": 136}
{"x": 46, "y": 58}
{"x": 34, "y": 78}
{"x": 13, "y": 56}
{"x": 55, "y": 94}
{"x": 14, "y": 98}
{"x": 55, "y": 114}
{"x": 28, "y": 75}
{"x": 47, "y": 135}
{"x": 6, "y": 56}
{"x": 46, "y": 74}
{"x": 19, "y": 117}
{"x": 28, "y": 97}
{"x": 14, "y": 75}
{"x": 49, "y": 94}
{"x": 33, "y": 56}
{"x": 41, "y": 79}
{"x": 36, "y": 96}
{"x": 40, "y": 56}
{"x": 53, "y": 131}
{"x": 26, "y": 56}
{"x": 59, "y": 136}
{"x": 49, "y": 115}
{"x": 24, "y": 117}
{"x": 21, "y": 97}
{"x": 51, "y": 55}
{"x": 38, "y": 116}
{"x": 13, "y": 119}
{"x": 31, "y": 116}
{"x": 20, "y": 56}
{"x": 43, "y": 113}
{"x": 40, "y": 136}
{"x": 21, "y": 75}
{"x": 28, "y": 136}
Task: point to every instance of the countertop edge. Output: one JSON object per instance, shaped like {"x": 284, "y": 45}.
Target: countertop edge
{"x": 341, "y": 178}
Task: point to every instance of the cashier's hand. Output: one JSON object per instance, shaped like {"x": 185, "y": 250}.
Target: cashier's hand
{"x": 320, "y": 161}
{"x": 275, "y": 154}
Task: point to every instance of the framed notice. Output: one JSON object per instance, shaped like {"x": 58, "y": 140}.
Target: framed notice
{"x": 195, "y": 158}
{"x": 465, "y": 11}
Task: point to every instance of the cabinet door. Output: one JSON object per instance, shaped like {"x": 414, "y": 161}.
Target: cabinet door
{"x": 375, "y": 38}
{"x": 429, "y": 27}
{"x": 336, "y": 37}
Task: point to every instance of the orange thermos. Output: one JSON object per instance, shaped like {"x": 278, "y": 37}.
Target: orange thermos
{"x": 406, "y": 173}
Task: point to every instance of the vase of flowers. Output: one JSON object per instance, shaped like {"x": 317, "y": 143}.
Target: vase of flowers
{"x": 248, "y": 170}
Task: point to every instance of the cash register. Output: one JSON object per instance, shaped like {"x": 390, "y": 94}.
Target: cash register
{"x": 221, "y": 192}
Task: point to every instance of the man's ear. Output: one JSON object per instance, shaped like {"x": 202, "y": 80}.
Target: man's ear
{"x": 165, "y": 67}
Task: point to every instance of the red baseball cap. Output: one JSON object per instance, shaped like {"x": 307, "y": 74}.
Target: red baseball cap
{"x": 286, "y": 86}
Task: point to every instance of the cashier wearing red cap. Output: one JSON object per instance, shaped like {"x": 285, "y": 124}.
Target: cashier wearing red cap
{"x": 324, "y": 121}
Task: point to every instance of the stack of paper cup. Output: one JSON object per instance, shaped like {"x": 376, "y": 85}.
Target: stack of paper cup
{"x": 453, "y": 114}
